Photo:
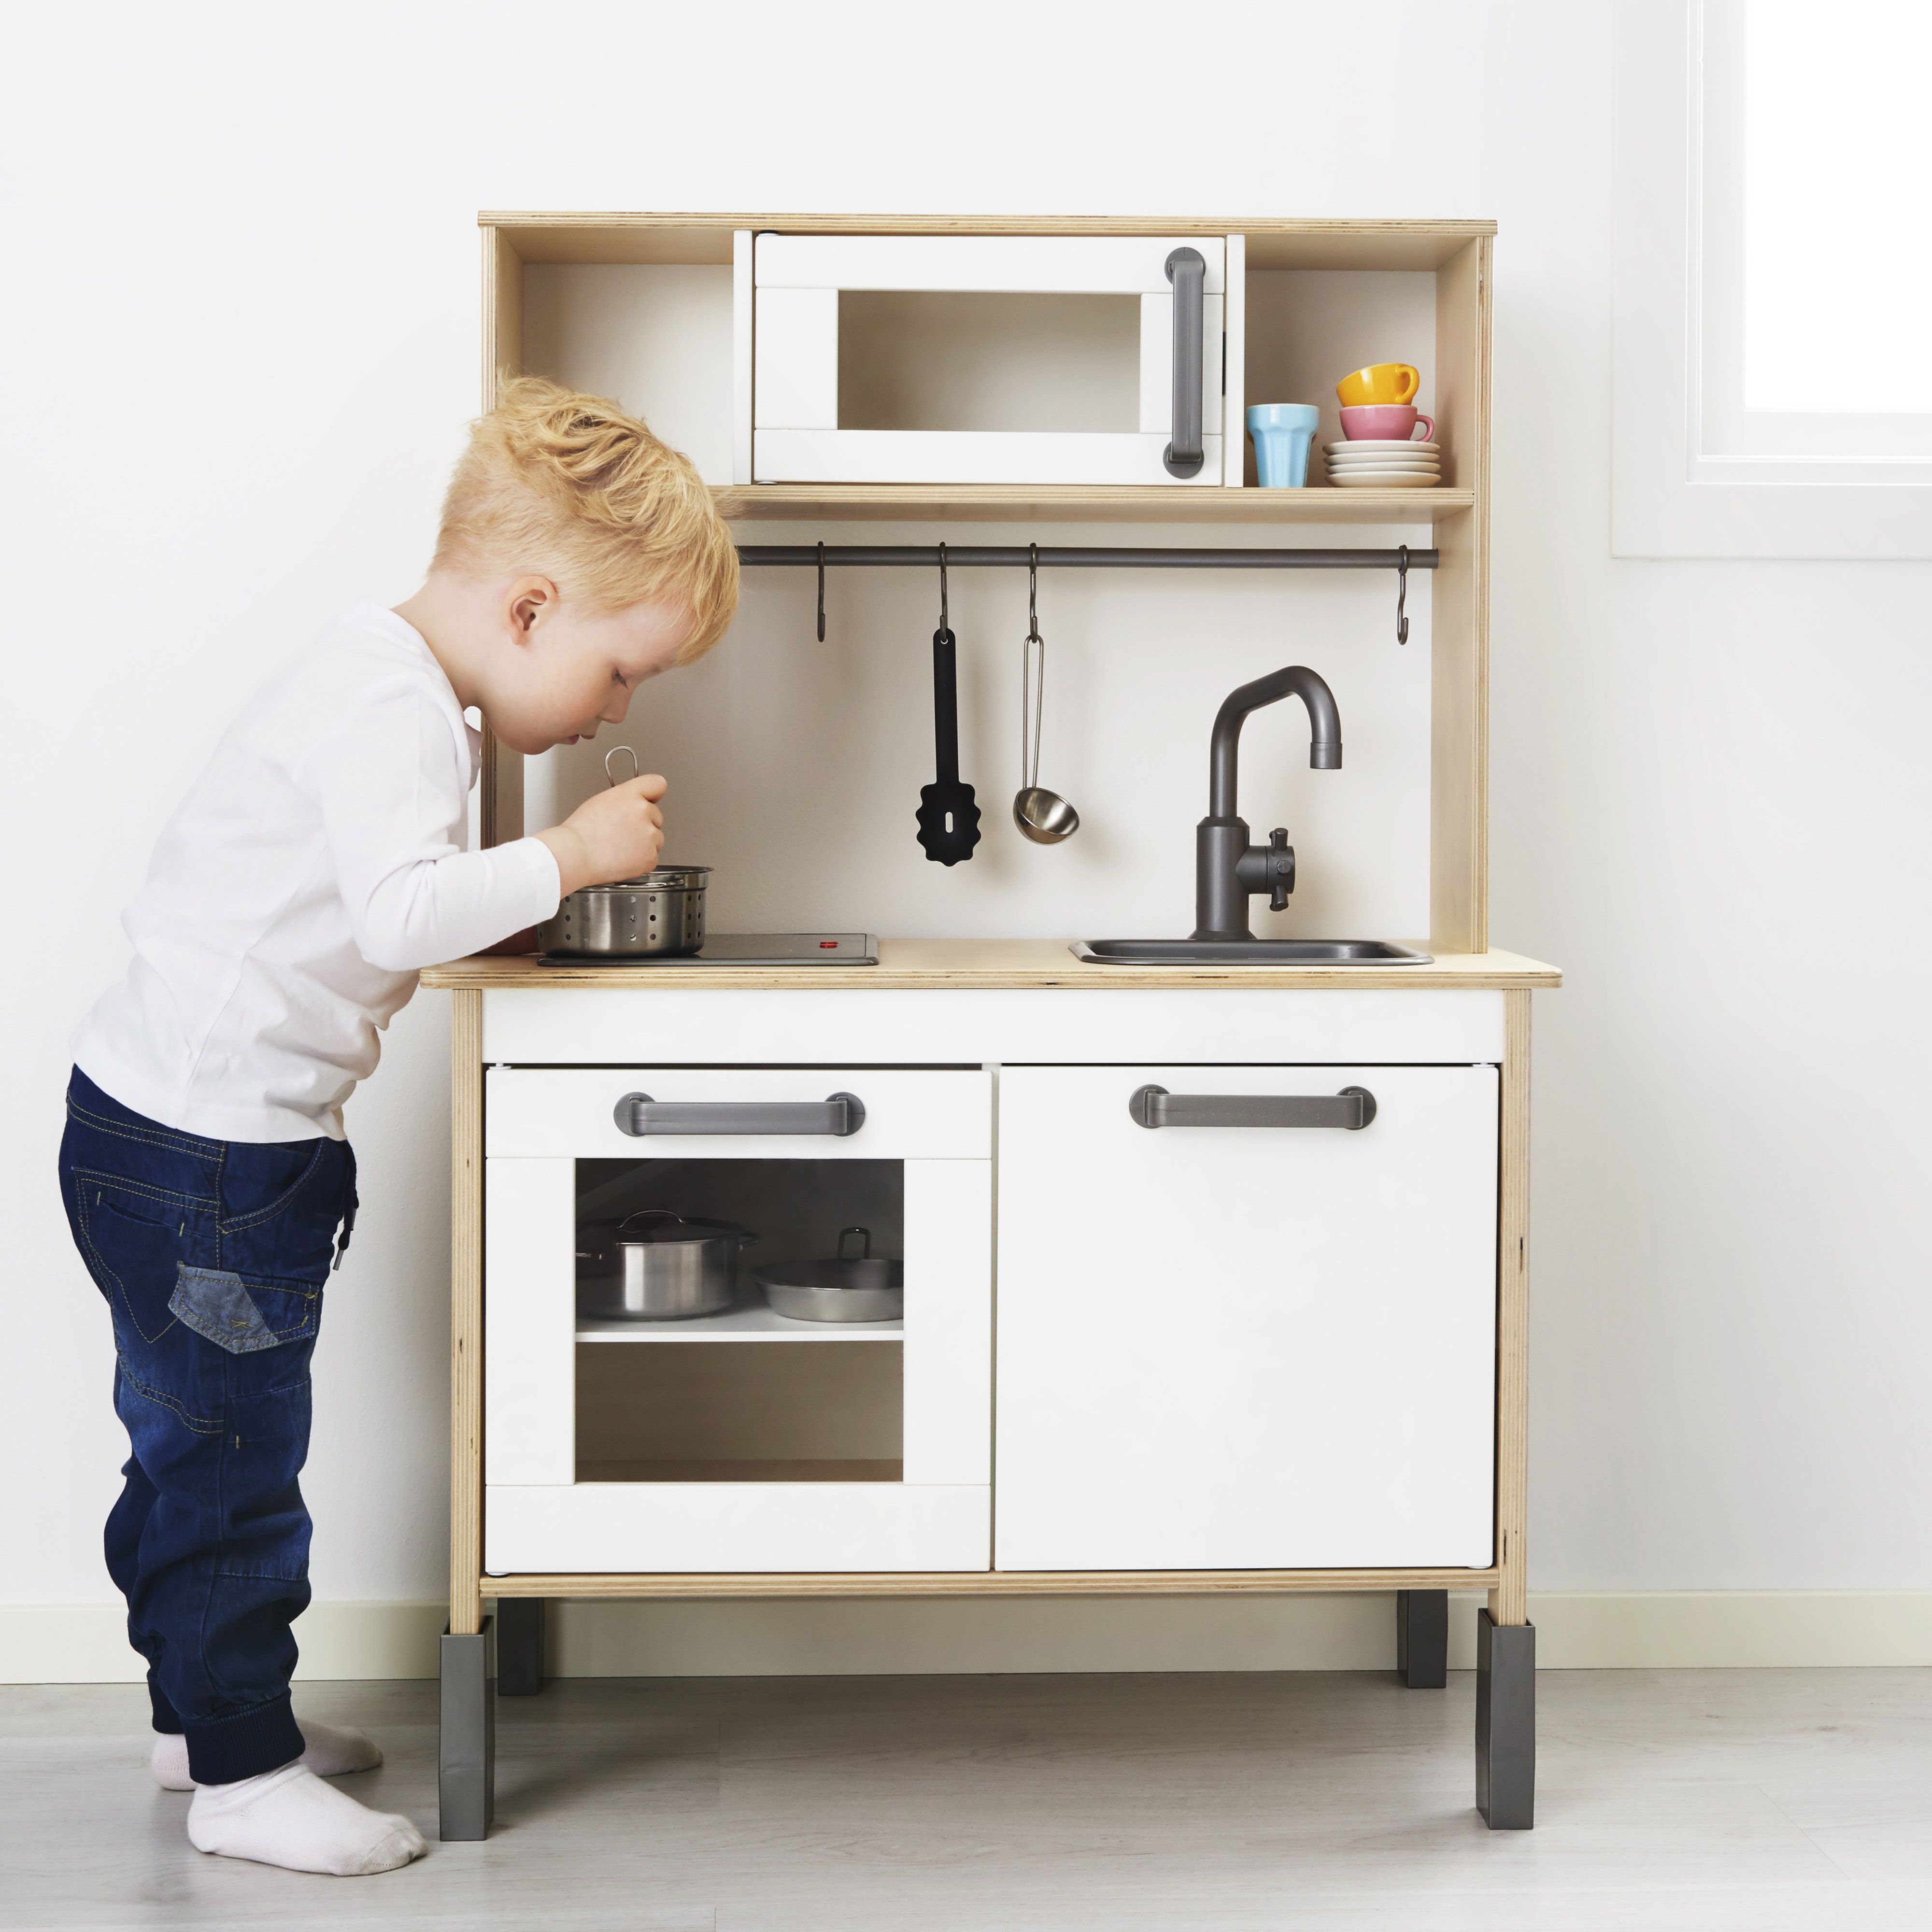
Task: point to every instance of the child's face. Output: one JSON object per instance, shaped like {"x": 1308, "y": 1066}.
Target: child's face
{"x": 569, "y": 669}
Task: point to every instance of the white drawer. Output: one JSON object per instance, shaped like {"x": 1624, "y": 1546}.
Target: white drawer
{"x": 908, "y": 1114}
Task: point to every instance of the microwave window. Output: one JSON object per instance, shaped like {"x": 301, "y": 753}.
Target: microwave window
{"x": 920, "y": 359}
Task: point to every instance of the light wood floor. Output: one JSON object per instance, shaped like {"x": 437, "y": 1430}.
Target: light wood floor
{"x": 1752, "y": 1800}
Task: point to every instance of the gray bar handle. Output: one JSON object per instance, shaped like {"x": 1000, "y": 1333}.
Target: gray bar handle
{"x": 840, "y": 1113}
{"x": 1352, "y": 1108}
{"x": 1188, "y": 272}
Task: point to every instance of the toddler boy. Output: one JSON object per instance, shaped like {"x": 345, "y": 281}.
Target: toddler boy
{"x": 314, "y": 868}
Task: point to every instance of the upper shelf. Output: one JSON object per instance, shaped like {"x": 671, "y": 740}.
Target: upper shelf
{"x": 1004, "y": 503}
{"x": 1274, "y": 242}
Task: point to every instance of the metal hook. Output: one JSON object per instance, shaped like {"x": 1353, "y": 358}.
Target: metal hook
{"x": 821, "y": 592}
{"x": 943, "y": 624}
{"x": 1033, "y": 592}
{"x": 1401, "y": 593}
{"x": 610, "y": 776}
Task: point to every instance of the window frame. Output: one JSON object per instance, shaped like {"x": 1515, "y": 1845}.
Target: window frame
{"x": 1676, "y": 489}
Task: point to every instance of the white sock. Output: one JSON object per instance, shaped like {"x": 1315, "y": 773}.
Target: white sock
{"x": 290, "y": 1818}
{"x": 331, "y": 1751}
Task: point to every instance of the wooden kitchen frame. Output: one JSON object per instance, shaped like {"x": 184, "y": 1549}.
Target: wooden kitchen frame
{"x": 1458, "y": 255}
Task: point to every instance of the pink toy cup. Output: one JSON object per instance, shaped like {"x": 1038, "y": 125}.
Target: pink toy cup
{"x": 1393, "y": 422}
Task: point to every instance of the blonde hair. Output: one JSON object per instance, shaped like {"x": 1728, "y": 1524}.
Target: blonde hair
{"x": 569, "y": 484}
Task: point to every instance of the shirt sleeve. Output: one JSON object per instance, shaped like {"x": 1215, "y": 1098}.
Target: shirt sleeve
{"x": 393, "y": 797}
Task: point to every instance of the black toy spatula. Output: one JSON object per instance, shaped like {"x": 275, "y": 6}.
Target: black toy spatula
{"x": 949, "y": 820}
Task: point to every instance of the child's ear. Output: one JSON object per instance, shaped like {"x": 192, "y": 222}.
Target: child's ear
{"x": 527, "y": 602}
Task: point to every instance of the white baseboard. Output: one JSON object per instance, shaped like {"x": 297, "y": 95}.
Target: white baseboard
{"x": 87, "y": 1643}
{"x": 1579, "y": 1630}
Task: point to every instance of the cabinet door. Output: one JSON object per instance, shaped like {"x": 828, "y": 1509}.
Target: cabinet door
{"x": 1251, "y": 1346}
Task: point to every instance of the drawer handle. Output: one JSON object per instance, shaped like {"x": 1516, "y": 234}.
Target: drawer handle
{"x": 1352, "y": 1108}
{"x": 840, "y": 1113}
{"x": 1188, "y": 272}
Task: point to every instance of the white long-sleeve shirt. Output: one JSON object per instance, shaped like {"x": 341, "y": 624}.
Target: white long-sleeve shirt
{"x": 315, "y": 867}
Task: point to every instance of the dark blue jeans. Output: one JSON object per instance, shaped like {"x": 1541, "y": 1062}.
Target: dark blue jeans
{"x": 212, "y": 1256}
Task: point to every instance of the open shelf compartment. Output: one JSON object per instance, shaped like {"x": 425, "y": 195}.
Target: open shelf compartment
{"x": 712, "y": 1411}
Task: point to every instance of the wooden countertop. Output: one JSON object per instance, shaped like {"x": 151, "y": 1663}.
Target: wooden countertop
{"x": 962, "y": 964}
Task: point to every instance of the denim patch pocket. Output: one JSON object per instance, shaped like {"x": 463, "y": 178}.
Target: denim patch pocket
{"x": 241, "y": 1317}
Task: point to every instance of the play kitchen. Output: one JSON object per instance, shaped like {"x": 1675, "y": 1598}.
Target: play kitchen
{"x": 727, "y": 1263}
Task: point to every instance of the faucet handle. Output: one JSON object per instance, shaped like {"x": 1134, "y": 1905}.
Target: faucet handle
{"x": 1280, "y": 869}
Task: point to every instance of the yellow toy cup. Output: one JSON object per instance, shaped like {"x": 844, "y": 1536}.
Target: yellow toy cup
{"x": 1386, "y": 382}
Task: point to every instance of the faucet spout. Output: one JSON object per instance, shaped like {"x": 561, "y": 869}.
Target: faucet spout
{"x": 1324, "y": 746}
{"x": 1227, "y": 868}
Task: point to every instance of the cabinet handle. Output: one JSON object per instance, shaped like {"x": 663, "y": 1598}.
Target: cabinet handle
{"x": 840, "y": 1113}
{"x": 1188, "y": 272}
{"x": 1352, "y": 1108}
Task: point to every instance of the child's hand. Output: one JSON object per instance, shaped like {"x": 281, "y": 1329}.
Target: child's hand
{"x": 616, "y": 835}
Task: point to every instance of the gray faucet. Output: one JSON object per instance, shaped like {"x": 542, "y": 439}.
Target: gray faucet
{"x": 1227, "y": 868}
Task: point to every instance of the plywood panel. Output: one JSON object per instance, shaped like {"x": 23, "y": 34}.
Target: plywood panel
{"x": 581, "y": 235}
{"x": 1508, "y": 1601}
{"x": 1307, "y": 329}
{"x": 994, "y": 1583}
{"x": 501, "y": 781}
{"x": 465, "y": 1312}
{"x": 743, "y": 317}
{"x": 1459, "y": 602}
{"x": 962, "y": 965}
{"x": 656, "y": 340}
{"x": 1162, "y": 502}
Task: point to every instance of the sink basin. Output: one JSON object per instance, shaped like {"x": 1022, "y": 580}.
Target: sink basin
{"x": 1246, "y": 952}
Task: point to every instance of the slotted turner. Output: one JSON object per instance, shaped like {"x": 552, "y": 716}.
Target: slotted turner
{"x": 949, "y": 820}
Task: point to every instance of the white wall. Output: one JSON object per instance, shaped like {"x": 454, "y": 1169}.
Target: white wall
{"x": 241, "y": 337}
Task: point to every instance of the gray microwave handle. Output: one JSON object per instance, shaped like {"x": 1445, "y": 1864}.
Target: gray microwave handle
{"x": 1188, "y": 272}
{"x": 840, "y": 1113}
{"x": 1353, "y": 1108}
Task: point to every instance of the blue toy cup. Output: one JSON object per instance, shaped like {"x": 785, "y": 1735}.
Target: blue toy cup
{"x": 1282, "y": 432}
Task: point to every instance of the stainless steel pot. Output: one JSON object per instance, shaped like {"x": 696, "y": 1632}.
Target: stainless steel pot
{"x": 658, "y": 912}
{"x": 853, "y": 1287}
{"x": 656, "y": 1266}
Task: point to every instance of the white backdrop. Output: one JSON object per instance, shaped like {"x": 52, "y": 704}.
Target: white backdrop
{"x": 241, "y": 334}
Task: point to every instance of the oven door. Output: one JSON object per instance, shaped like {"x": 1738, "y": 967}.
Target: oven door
{"x": 740, "y": 1440}
{"x": 994, "y": 359}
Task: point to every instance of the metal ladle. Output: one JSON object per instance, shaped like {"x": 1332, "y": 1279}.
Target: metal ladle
{"x": 1043, "y": 816}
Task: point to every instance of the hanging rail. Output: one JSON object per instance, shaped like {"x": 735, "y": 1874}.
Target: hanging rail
{"x": 1031, "y": 558}
{"x": 1016, "y": 556}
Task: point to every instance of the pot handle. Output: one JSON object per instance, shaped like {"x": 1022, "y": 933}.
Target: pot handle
{"x": 865, "y": 1239}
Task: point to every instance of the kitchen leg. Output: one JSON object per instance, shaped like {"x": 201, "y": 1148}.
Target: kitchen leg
{"x": 520, "y": 1646}
{"x": 1505, "y": 1723}
{"x": 467, "y": 1769}
{"x": 1422, "y": 1638}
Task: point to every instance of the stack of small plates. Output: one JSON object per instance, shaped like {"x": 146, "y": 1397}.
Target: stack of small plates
{"x": 1384, "y": 465}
